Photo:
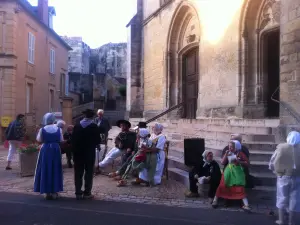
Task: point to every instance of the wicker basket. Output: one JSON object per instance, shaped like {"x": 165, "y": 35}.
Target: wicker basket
{"x": 203, "y": 190}
{"x": 28, "y": 163}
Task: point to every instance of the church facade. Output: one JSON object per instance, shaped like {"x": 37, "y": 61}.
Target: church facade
{"x": 223, "y": 67}
{"x": 223, "y": 59}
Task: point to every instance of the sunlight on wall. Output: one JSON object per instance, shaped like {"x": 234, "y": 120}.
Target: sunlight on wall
{"x": 216, "y": 16}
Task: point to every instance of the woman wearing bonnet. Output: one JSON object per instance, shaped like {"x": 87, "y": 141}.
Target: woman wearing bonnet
{"x": 285, "y": 163}
{"x": 48, "y": 178}
{"x": 233, "y": 181}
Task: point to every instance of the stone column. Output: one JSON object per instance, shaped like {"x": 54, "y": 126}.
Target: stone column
{"x": 67, "y": 110}
{"x": 135, "y": 80}
{"x": 290, "y": 63}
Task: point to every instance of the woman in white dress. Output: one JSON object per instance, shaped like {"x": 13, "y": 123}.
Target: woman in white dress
{"x": 158, "y": 140}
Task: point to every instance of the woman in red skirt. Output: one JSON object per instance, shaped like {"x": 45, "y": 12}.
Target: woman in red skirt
{"x": 232, "y": 185}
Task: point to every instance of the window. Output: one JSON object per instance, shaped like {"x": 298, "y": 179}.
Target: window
{"x": 52, "y": 61}
{"x": 29, "y": 97}
{"x": 51, "y": 100}
{"x": 62, "y": 84}
{"x": 50, "y": 20}
{"x": 67, "y": 85}
{"x": 31, "y": 46}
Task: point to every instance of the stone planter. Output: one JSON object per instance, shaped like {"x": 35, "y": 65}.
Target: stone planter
{"x": 28, "y": 163}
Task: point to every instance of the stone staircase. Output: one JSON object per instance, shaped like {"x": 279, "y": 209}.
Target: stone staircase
{"x": 258, "y": 135}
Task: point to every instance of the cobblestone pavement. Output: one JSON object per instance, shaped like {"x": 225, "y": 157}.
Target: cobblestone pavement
{"x": 169, "y": 193}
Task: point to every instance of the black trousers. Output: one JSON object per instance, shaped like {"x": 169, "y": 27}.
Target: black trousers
{"x": 84, "y": 167}
{"x": 214, "y": 183}
{"x": 193, "y": 181}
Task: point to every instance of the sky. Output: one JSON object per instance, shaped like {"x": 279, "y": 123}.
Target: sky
{"x": 97, "y": 21}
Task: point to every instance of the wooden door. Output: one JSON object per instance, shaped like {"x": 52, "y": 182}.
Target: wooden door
{"x": 190, "y": 83}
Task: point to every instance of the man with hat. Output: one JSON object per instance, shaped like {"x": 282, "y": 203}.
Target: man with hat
{"x": 125, "y": 149}
{"x": 85, "y": 138}
{"x": 128, "y": 157}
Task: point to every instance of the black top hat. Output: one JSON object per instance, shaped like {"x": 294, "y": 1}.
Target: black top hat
{"x": 142, "y": 125}
{"x": 89, "y": 113}
{"x": 123, "y": 122}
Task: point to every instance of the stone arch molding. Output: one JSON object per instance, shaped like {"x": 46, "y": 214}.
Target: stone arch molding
{"x": 258, "y": 17}
{"x": 184, "y": 35}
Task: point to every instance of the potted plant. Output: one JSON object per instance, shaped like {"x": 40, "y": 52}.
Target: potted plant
{"x": 28, "y": 158}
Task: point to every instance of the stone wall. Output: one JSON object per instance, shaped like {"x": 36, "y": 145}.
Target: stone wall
{"x": 110, "y": 59}
{"x": 290, "y": 61}
{"x": 79, "y": 57}
{"x": 135, "y": 66}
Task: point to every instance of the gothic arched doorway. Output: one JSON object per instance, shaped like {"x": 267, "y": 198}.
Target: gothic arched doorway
{"x": 182, "y": 78}
{"x": 190, "y": 81}
{"x": 260, "y": 58}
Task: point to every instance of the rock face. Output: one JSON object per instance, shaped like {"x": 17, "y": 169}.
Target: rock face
{"x": 79, "y": 57}
{"x": 110, "y": 59}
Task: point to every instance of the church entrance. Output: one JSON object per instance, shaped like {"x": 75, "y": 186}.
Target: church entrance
{"x": 271, "y": 67}
{"x": 190, "y": 77}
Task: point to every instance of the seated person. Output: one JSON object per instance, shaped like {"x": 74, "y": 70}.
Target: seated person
{"x": 209, "y": 173}
{"x": 249, "y": 178}
{"x": 158, "y": 147}
{"x": 125, "y": 145}
{"x": 233, "y": 181}
{"x": 141, "y": 159}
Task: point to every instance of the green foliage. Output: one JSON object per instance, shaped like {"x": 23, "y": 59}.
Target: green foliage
{"x": 31, "y": 148}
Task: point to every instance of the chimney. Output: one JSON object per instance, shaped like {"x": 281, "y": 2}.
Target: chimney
{"x": 43, "y": 12}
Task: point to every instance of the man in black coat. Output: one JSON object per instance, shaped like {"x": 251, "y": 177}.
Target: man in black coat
{"x": 85, "y": 138}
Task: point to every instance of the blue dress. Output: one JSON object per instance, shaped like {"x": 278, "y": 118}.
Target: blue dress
{"x": 48, "y": 174}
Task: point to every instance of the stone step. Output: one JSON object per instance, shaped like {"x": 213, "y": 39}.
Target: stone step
{"x": 183, "y": 133}
{"x": 183, "y": 177}
{"x": 214, "y": 144}
{"x": 260, "y": 170}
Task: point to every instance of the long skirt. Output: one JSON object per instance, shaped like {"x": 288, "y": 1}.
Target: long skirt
{"x": 288, "y": 193}
{"x": 158, "y": 172}
{"x": 231, "y": 193}
{"x": 48, "y": 174}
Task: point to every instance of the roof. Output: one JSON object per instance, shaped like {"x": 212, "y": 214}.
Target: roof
{"x": 31, "y": 10}
{"x": 51, "y": 10}
{"x": 131, "y": 21}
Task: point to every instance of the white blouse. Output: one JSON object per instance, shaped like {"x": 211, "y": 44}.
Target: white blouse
{"x": 49, "y": 129}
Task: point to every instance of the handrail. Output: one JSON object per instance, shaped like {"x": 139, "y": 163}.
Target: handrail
{"x": 285, "y": 106}
{"x": 165, "y": 112}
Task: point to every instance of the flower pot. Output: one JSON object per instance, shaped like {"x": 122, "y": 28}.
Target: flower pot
{"x": 28, "y": 162}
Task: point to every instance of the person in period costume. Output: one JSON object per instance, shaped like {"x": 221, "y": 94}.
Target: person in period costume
{"x": 158, "y": 147}
{"x": 66, "y": 147}
{"x": 285, "y": 163}
{"x": 125, "y": 146}
{"x": 61, "y": 124}
{"x": 249, "y": 178}
{"x": 85, "y": 138}
{"x": 15, "y": 134}
{"x": 120, "y": 173}
{"x": 141, "y": 159}
{"x": 210, "y": 173}
{"x": 48, "y": 178}
{"x": 233, "y": 181}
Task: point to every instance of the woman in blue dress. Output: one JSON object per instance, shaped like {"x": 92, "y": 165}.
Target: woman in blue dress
{"x": 48, "y": 178}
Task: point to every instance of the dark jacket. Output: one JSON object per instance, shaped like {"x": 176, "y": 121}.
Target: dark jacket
{"x": 15, "y": 131}
{"x": 85, "y": 139}
{"x": 103, "y": 125}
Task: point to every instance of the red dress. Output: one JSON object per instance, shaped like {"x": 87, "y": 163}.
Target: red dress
{"x": 235, "y": 192}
